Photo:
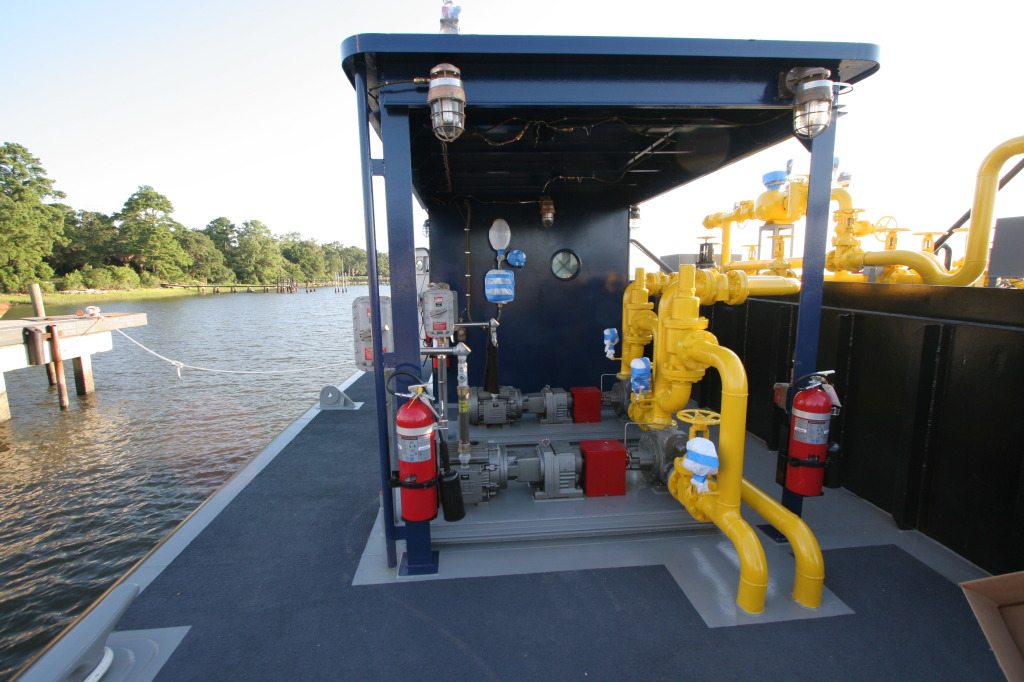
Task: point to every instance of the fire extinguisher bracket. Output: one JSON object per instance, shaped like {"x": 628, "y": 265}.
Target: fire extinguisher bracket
{"x": 797, "y": 462}
{"x": 395, "y": 482}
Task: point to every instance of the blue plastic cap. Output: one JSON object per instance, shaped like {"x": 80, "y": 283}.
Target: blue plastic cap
{"x": 500, "y": 286}
{"x": 774, "y": 179}
{"x": 516, "y": 258}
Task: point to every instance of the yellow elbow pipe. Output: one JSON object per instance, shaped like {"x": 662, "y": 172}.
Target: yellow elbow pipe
{"x": 978, "y": 237}
{"x": 809, "y": 580}
{"x": 732, "y": 433}
{"x": 753, "y": 585}
{"x": 725, "y": 509}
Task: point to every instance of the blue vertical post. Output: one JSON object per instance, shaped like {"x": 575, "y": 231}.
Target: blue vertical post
{"x": 383, "y": 444}
{"x": 394, "y": 123}
{"x": 812, "y": 279}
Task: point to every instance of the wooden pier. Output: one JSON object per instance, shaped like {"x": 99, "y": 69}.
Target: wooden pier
{"x": 41, "y": 341}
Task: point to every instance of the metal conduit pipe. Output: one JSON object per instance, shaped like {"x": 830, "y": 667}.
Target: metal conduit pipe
{"x": 978, "y": 237}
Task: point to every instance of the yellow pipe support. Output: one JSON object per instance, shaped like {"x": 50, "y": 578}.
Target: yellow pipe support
{"x": 809, "y": 579}
{"x": 978, "y": 236}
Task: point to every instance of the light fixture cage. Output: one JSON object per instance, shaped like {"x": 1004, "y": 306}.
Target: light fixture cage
{"x": 813, "y": 93}
{"x": 447, "y": 101}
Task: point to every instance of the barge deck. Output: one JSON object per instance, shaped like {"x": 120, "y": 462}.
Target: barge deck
{"x": 275, "y": 578}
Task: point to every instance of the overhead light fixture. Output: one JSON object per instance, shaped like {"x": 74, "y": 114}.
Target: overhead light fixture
{"x": 547, "y": 211}
{"x": 447, "y": 101}
{"x": 426, "y": 227}
{"x": 812, "y": 92}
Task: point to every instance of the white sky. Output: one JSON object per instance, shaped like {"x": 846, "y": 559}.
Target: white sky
{"x": 241, "y": 109}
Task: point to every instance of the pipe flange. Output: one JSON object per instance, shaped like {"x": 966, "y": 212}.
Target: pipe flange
{"x": 687, "y": 344}
{"x": 738, "y": 287}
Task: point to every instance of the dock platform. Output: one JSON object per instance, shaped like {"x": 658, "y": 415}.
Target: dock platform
{"x": 26, "y": 342}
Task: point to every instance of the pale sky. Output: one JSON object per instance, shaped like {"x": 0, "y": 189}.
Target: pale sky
{"x": 241, "y": 109}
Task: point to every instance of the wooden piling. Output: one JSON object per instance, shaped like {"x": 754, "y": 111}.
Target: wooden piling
{"x": 5, "y": 405}
{"x": 84, "y": 383}
{"x": 35, "y": 294}
{"x": 58, "y": 366}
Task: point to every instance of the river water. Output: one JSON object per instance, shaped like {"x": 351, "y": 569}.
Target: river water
{"x": 86, "y": 492}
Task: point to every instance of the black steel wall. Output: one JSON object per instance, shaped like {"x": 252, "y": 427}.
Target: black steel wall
{"x": 930, "y": 379}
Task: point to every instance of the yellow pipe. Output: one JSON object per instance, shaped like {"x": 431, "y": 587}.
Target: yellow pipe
{"x": 809, "y": 580}
{"x": 724, "y": 508}
{"x": 635, "y": 301}
{"x": 978, "y": 236}
{"x": 771, "y": 285}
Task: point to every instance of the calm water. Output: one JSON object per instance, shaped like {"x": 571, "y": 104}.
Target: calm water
{"x": 86, "y": 492}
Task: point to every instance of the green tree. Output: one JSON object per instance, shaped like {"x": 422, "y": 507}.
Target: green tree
{"x": 306, "y": 254}
{"x": 208, "y": 264}
{"x": 223, "y": 233}
{"x": 146, "y": 235}
{"x": 90, "y": 239}
{"x": 354, "y": 260}
{"x": 29, "y": 228}
{"x": 257, "y": 260}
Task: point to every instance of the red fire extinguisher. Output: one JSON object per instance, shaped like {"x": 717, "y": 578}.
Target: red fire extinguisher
{"x": 810, "y": 417}
{"x": 417, "y": 459}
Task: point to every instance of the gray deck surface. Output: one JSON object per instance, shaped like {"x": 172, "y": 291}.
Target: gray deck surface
{"x": 267, "y": 592}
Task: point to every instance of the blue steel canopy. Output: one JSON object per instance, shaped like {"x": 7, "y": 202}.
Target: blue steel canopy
{"x": 556, "y": 115}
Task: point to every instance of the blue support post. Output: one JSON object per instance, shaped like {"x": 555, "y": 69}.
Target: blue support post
{"x": 394, "y": 123}
{"x": 812, "y": 279}
{"x": 383, "y": 444}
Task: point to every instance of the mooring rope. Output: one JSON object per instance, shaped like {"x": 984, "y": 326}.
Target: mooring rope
{"x": 94, "y": 311}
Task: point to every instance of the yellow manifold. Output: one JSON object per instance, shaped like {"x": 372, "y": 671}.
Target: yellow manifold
{"x": 683, "y": 350}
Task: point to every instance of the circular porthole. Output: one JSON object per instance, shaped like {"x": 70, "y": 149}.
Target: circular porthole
{"x": 565, "y": 264}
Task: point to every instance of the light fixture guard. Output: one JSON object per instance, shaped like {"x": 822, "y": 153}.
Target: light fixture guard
{"x": 812, "y": 94}
{"x": 547, "y": 211}
{"x": 447, "y": 101}
{"x": 634, "y": 217}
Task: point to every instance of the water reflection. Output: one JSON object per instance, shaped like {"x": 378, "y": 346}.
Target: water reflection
{"x": 85, "y": 492}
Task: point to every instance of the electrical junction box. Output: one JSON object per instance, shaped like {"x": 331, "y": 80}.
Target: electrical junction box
{"x": 586, "y": 404}
{"x": 362, "y": 330}
{"x": 604, "y": 467}
{"x": 437, "y": 310}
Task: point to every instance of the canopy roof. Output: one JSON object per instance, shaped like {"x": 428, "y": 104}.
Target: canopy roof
{"x": 551, "y": 115}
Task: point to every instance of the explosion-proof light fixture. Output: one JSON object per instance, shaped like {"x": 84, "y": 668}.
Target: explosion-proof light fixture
{"x": 634, "y": 218}
{"x": 447, "y": 100}
{"x": 547, "y": 211}
{"x": 812, "y": 94}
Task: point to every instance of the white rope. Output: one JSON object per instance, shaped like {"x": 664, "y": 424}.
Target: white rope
{"x": 93, "y": 311}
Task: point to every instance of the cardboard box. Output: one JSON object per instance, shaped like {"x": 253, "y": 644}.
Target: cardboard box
{"x": 998, "y": 604}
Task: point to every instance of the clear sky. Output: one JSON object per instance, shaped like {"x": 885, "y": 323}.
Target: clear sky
{"x": 241, "y": 109}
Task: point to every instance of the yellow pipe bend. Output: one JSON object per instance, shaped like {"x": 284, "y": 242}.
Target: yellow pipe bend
{"x": 809, "y": 580}
{"x": 978, "y": 236}
{"x": 725, "y": 510}
{"x": 753, "y": 585}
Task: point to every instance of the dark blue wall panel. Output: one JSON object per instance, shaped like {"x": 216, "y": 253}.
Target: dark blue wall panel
{"x": 552, "y": 333}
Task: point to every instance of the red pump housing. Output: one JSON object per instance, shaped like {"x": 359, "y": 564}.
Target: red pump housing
{"x": 417, "y": 461}
{"x": 810, "y": 418}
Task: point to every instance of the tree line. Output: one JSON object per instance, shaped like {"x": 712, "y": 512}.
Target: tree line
{"x": 142, "y": 245}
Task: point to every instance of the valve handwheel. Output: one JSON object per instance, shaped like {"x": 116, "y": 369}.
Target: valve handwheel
{"x": 699, "y": 421}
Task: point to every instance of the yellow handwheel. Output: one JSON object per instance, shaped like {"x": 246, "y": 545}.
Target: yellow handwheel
{"x": 699, "y": 421}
